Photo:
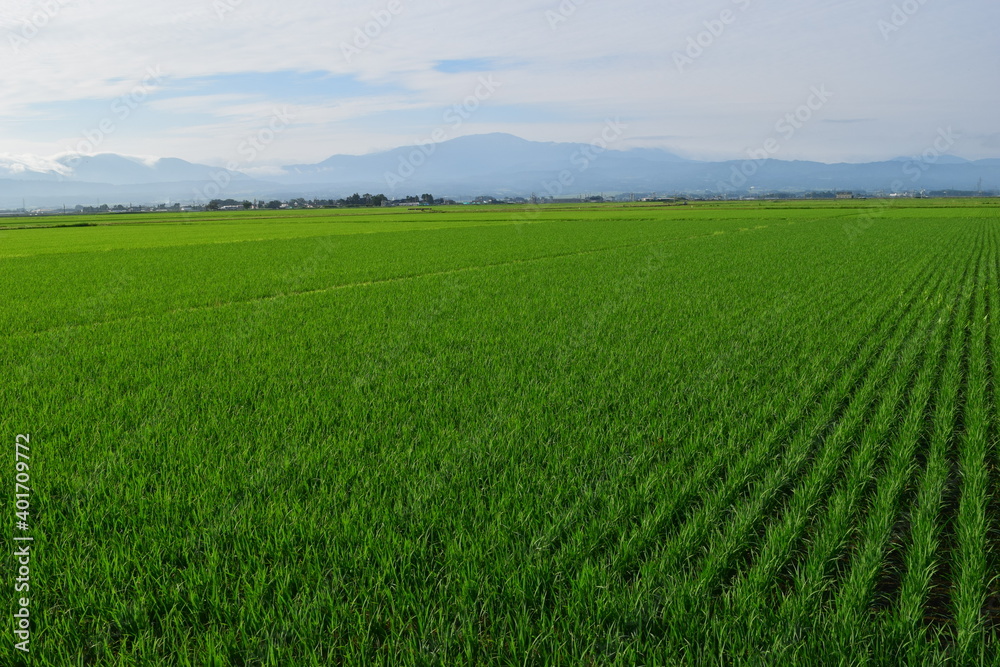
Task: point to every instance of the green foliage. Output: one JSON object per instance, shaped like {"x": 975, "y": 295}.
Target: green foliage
{"x": 703, "y": 434}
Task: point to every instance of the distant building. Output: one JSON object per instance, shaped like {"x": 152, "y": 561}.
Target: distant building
{"x": 845, "y": 195}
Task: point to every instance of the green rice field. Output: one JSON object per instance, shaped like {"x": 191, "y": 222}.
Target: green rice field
{"x": 742, "y": 433}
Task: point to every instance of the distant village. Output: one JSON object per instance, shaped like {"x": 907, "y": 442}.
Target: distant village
{"x": 368, "y": 200}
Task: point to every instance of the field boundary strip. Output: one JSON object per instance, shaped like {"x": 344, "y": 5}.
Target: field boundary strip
{"x": 443, "y": 227}
{"x": 369, "y": 283}
{"x": 253, "y": 240}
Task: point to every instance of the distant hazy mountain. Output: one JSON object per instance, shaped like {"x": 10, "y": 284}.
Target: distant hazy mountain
{"x": 108, "y": 178}
{"x": 483, "y": 164}
{"x": 119, "y": 170}
{"x": 503, "y": 164}
{"x": 105, "y": 168}
{"x": 490, "y": 164}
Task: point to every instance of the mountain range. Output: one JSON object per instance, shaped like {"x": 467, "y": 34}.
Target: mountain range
{"x": 465, "y": 167}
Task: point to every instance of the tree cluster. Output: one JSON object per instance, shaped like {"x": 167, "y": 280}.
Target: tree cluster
{"x": 362, "y": 201}
{"x": 216, "y": 204}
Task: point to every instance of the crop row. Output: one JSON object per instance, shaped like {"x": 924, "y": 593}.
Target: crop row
{"x": 635, "y": 441}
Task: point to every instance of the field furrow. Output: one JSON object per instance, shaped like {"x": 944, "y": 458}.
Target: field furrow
{"x": 855, "y": 601}
{"x": 831, "y": 534}
{"x": 732, "y": 535}
{"x": 971, "y": 575}
{"x": 715, "y": 433}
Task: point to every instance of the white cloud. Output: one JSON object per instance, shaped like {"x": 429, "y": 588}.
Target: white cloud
{"x": 18, "y": 164}
{"x": 605, "y": 59}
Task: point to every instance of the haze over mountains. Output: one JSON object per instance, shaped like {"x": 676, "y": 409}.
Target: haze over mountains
{"x": 490, "y": 164}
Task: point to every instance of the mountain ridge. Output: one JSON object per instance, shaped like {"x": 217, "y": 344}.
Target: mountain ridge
{"x": 494, "y": 164}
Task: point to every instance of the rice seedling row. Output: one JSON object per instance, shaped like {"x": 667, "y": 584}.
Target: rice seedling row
{"x": 570, "y": 436}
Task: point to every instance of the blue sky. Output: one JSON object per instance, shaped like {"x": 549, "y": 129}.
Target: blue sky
{"x": 706, "y": 79}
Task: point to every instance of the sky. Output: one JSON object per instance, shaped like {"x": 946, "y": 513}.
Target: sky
{"x": 258, "y": 83}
